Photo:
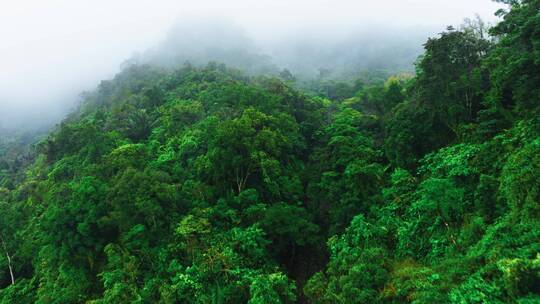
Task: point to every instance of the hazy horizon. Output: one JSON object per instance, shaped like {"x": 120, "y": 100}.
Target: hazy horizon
{"x": 53, "y": 51}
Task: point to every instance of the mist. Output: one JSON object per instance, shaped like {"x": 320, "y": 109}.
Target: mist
{"x": 51, "y": 52}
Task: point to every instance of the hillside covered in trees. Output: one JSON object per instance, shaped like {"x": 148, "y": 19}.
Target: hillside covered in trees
{"x": 206, "y": 185}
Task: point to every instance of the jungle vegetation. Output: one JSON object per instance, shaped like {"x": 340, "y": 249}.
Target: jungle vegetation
{"x": 209, "y": 185}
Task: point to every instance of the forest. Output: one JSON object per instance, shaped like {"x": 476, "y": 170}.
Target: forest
{"x": 207, "y": 184}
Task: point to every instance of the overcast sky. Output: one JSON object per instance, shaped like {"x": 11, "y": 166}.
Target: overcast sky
{"x": 52, "y": 49}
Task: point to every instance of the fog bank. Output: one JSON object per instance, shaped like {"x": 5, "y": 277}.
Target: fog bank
{"x": 50, "y": 52}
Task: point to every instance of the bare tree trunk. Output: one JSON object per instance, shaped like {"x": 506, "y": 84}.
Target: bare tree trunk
{"x": 9, "y": 261}
{"x": 241, "y": 179}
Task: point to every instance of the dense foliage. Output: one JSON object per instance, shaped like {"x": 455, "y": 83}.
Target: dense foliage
{"x": 202, "y": 185}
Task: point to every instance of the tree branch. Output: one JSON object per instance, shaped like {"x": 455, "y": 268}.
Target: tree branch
{"x": 9, "y": 260}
